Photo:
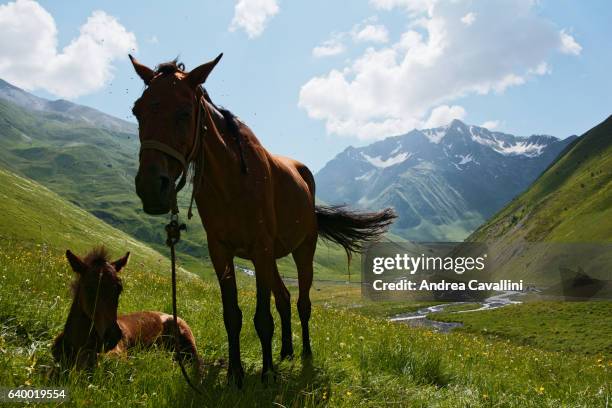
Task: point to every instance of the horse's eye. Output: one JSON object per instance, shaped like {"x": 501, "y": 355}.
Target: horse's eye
{"x": 183, "y": 114}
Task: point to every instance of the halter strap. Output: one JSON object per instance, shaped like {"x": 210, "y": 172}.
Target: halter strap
{"x": 162, "y": 147}
{"x": 175, "y": 154}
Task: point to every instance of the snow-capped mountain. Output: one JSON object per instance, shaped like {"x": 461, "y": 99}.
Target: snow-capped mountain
{"x": 443, "y": 182}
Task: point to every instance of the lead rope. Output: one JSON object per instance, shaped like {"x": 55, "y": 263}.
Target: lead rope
{"x": 173, "y": 230}
{"x": 173, "y": 233}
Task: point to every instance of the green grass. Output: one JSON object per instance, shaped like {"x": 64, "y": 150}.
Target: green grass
{"x": 359, "y": 360}
{"x": 577, "y": 327}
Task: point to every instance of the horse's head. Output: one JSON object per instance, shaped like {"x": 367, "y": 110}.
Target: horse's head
{"x": 97, "y": 289}
{"x": 167, "y": 114}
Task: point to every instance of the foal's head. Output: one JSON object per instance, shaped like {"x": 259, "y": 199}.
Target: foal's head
{"x": 166, "y": 113}
{"x": 97, "y": 289}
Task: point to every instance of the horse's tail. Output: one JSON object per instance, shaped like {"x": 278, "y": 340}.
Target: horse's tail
{"x": 352, "y": 229}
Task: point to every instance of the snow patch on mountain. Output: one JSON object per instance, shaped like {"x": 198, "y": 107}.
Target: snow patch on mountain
{"x": 391, "y": 161}
{"x": 528, "y": 149}
{"x": 465, "y": 159}
{"x": 523, "y": 147}
{"x": 366, "y": 176}
{"x": 435, "y": 135}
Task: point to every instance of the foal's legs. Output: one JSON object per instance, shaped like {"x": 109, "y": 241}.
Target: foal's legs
{"x": 223, "y": 263}
{"x": 264, "y": 324}
{"x": 282, "y": 299}
{"x": 303, "y": 257}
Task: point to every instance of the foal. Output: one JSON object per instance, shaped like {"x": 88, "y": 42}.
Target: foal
{"x": 93, "y": 325}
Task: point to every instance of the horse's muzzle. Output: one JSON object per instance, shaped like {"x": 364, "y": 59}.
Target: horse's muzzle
{"x": 155, "y": 190}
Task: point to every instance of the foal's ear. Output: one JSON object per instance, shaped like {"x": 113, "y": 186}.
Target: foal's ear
{"x": 120, "y": 263}
{"x": 198, "y": 75}
{"x": 75, "y": 262}
{"x": 144, "y": 72}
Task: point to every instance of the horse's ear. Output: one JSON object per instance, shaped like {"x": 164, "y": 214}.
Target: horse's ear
{"x": 75, "y": 262}
{"x": 198, "y": 75}
{"x": 120, "y": 263}
{"x": 144, "y": 72}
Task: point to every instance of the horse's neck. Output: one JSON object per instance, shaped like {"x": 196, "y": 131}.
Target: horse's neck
{"x": 79, "y": 327}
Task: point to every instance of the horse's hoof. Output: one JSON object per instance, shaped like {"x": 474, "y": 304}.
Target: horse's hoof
{"x": 307, "y": 354}
{"x": 269, "y": 376}
{"x": 235, "y": 376}
{"x": 287, "y": 354}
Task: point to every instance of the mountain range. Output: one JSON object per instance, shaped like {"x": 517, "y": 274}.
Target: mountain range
{"x": 64, "y": 109}
{"x": 442, "y": 182}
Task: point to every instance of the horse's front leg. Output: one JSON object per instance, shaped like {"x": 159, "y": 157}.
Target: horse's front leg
{"x": 264, "y": 324}
{"x": 223, "y": 262}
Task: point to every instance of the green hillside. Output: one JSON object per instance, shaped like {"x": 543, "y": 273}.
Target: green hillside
{"x": 358, "y": 360}
{"x": 32, "y": 214}
{"x": 94, "y": 168}
{"x": 571, "y": 202}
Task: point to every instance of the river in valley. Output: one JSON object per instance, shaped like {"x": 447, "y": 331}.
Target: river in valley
{"x": 419, "y": 318}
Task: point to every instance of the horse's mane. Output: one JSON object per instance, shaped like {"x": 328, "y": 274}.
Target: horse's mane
{"x": 97, "y": 256}
{"x": 170, "y": 67}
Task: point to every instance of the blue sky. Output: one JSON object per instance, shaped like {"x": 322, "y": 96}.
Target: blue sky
{"x": 311, "y": 78}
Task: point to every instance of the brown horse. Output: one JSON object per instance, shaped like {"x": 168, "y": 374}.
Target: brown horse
{"x": 93, "y": 325}
{"x": 253, "y": 204}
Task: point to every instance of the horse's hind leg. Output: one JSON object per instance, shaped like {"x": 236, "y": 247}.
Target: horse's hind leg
{"x": 303, "y": 257}
{"x": 282, "y": 299}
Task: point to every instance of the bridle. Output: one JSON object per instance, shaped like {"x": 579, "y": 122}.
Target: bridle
{"x": 185, "y": 161}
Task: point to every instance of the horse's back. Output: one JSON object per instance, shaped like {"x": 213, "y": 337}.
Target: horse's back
{"x": 140, "y": 328}
{"x": 150, "y": 327}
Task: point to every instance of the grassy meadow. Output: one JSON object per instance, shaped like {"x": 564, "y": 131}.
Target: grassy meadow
{"x": 360, "y": 359}
{"x": 576, "y": 327}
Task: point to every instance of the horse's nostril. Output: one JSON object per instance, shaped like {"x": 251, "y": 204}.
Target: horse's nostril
{"x": 164, "y": 183}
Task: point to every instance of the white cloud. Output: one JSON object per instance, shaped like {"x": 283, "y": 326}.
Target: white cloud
{"x": 415, "y": 6}
{"x": 569, "y": 45}
{"x": 252, "y": 16}
{"x": 443, "y": 115}
{"x": 490, "y": 124}
{"x": 329, "y": 48}
{"x": 153, "y": 39}
{"x": 468, "y": 19}
{"x": 29, "y": 56}
{"x": 372, "y": 33}
{"x": 364, "y": 32}
{"x": 438, "y": 59}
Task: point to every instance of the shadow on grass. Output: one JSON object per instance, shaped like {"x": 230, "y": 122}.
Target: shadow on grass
{"x": 296, "y": 384}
